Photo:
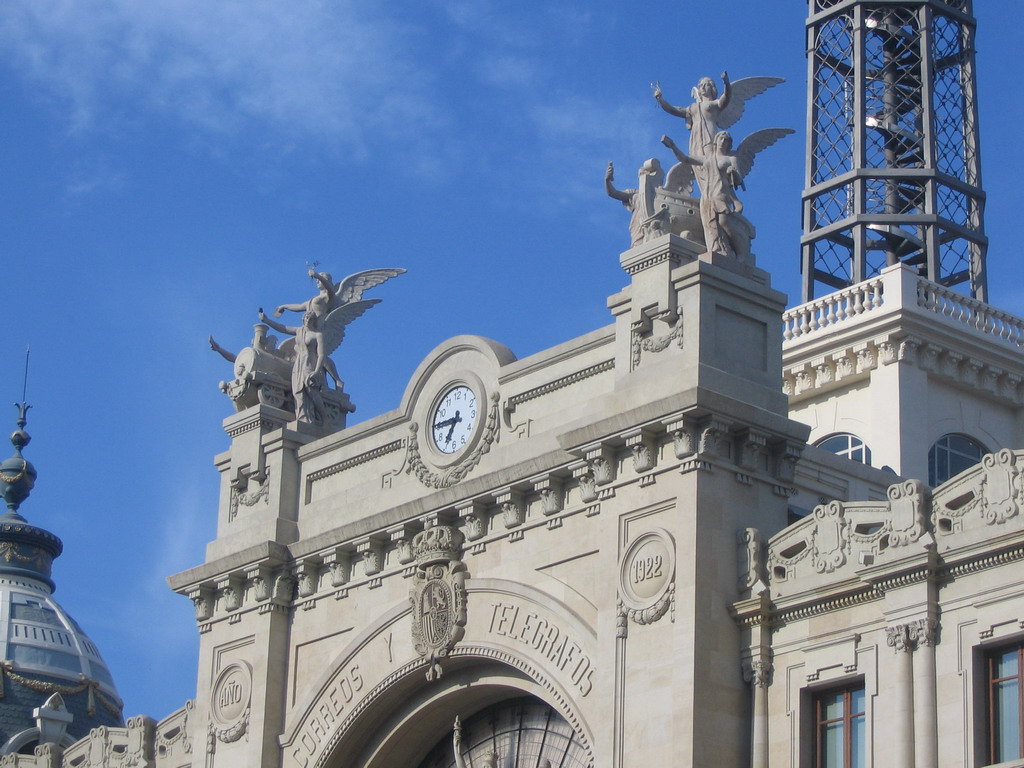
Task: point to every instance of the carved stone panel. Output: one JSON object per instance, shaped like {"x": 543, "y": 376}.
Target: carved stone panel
{"x": 647, "y": 577}
{"x": 831, "y": 537}
{"x": 438, "y": 595}
{"x": 230, "y": 702}
{"x": 1002, "y": 487}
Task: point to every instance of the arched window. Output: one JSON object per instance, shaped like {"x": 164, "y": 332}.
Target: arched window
{"x": 523, "y": 733}
{"x": 846, "y": 445}
{"x": 952, "y": 454}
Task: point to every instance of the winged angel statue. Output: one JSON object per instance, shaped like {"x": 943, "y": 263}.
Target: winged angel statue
{"x": 716, "y": 216}
{"x": 296, "y": 371}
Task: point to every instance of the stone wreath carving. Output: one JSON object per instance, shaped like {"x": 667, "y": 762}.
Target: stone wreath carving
{"x": 465, "y": 466}
{"x": 647, "y": 578}
{"x": 234, "y": 732}
{"x": 438, "y": 595}
{"x": 231, "y": 701}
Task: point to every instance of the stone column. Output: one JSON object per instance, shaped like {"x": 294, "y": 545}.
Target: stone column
{"x": 926, "y": 741}
{"x": 898, "y": 638}
{"x": 758, "y": 674}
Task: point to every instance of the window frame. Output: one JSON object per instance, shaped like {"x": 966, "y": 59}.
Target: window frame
{"x": 818, "y": 722}
{"x": 990, "y": 681}
{"x": 856, "y": 448}
{"x": 933, "y": 456}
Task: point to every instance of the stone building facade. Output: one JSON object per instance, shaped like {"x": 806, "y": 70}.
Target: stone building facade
{"x": 715, "y": 532}
{"x": 638, "y": 552}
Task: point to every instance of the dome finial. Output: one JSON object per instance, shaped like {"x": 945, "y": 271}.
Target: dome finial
{"x": 17, "y": 475}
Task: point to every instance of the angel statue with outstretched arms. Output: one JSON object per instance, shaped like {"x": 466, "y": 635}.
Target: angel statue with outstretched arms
{"x": 309, "y": 351}
{"x": 710, "y": 113}
{"x": 324, "y": 319}
{"x": 723, "y": 171}
{"x": 332, "y": 296}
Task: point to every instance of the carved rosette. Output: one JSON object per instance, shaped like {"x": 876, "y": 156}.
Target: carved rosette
{"x": 438, "y": 595}
{"x": 647, "y": 578}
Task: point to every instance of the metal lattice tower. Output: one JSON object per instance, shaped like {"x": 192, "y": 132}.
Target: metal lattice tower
{"x": 893, "y": 169}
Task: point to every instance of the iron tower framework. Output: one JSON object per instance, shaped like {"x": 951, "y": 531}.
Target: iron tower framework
{"x": 893, "y": 169}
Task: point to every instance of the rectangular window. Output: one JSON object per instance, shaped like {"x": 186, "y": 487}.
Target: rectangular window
{"x": 1005, "y": 704}
{"x": 839, "y": 728}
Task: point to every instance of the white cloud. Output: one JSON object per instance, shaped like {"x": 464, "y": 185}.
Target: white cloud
{"x": 305, "y": 67}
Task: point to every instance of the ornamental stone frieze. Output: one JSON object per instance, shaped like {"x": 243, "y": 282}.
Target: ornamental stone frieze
{"x": 975, "y": 373}
{"x": 973, "y": 506}
{"x": 839, "y": 539}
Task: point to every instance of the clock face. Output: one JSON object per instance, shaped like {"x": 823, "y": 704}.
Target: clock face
{"x": 454, "y": 419}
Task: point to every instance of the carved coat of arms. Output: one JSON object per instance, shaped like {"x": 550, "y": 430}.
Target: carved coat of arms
{"x": 438, "y": 595}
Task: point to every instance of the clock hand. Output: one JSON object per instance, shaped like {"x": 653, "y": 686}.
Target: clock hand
{"x": 443, "y": 424}
{"x": 455, "y": 420}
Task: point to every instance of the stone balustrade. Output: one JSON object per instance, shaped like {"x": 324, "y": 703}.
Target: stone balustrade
{"x": 835, "y": 308}
{"x": 898, "y": 288}
{"x": 971, "y": 312}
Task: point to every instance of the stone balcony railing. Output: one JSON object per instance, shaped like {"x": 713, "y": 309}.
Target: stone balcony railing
{"x": 899, "y": 288}
{"x": 835, "y": 308}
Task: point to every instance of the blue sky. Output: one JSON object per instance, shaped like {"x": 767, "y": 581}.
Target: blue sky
{"x": 168, "y": 166}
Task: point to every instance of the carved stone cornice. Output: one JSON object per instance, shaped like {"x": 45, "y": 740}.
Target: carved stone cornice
{"x": 953, "y": 365}
{"x": 553, "y": 386}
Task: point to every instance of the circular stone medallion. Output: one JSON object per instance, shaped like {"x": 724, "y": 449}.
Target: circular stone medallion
{"x": 647, "y": 569}
{"x": 231, "y": 694}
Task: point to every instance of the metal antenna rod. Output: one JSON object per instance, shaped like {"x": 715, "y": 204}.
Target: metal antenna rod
{"x": 24, "y": 386}
{"x": 23, "y": 406}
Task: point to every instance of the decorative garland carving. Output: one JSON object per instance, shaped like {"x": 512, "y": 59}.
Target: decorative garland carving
{"x": 464, "y": 467}
{"x": 652, "y": 613}
{"x": 233, "y": 732}
{"x": 16, "y": 478}
{"x": 647, "y": 574}
{"x": 10, "y": 550}
{"x": 248, "y": 499}
{"x": 41, "y": 686}
{"x": 656, "y": 344}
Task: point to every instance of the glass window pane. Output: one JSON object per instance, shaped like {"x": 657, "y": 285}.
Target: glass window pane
{"x": 858, "y": 739}
{"x": 857, "y": 701}
{"x": 1006, "y": 664}
{"x": 832, "y": 746}
{"x": 832, "y": 706}
{"x": 1007, "y": 720}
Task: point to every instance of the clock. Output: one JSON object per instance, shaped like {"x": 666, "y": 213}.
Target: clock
{"x": 453, "y": 420}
